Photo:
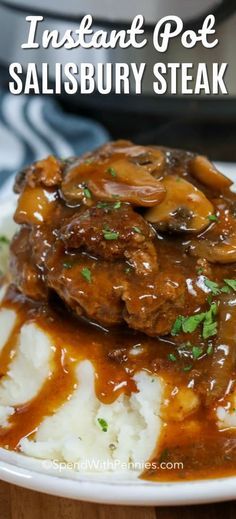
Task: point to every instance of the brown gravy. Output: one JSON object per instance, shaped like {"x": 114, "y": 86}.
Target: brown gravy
{"x": 194, "y": 442}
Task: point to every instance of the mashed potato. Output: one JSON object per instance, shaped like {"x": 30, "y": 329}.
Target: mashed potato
{"x": 73, "y": 433}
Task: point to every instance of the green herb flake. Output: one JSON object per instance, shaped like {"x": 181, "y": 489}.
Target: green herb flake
{"x": 4, "y": 240}
{"x": 199, "y": 271}
{"x": 209, "y": 329}
{"x": 231, "y": 283}
{"x": 67, "y": 265}
{"x": 177, "y": 326}
{"x": 87, "y": 192}
{"x": 110, "y": 235}
{"x": 225, "y": 290}
{"x": 187, "y": 368}
{"x": 197, "y": 352}
{"x": 112, "y": 172}
{"x": 210, "y": 324}
{"x": 213, "y": 218}
{"x": 210, "y": 349}
{"x": 209, "y": 299}
{"x": 128, "y": 270}
{"x": 172, "y": 357}
{"x": 136, "y": 229}
{"x": 86, "y": 273}
{"x": 214, "y": 287}
{"x": 103, "y": 205}
{"x": 190, "y": 324}
{"x": 103, "y": 424}
{"x": 117, "y": 205}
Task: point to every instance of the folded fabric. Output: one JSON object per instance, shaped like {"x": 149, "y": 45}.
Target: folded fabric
{"x": 33, "y": 127}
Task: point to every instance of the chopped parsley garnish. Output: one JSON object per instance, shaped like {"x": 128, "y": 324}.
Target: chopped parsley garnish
{"x": 128, "y": 270}
{"x": 86, "y": 273}
{"x": 187, "y": 368}
{"x": 177, "y": 326}
{"x": 189, "y": 352}
{"x": 67, "y": 265}
{"x": 136, "y": 229}
{"x": 108, "y": 206}
{"x": 172, "y": 357}
{"x": 5, "y": 240}
{"x": 213, "y": 218}
{"x": 197, "y": 352}
{"x": 231, "y": 283}
{"x": 117, "y": 205}
{"x": 200, "y": 271}
{"x": 210, "y": 324}
{"x": 214, "y": 287}
{"x": 209, "y": 299}
{"x": 103, "y": 205}
{"x": 209, "y": 349}
{"x": 87, "y": 192}
{"x": 190, "y": 324}
{"x": 112, "y": 172}
{"x": 110, "y": 235}
{"x": 225, "y": 290}
{"x": 103, "y": 424}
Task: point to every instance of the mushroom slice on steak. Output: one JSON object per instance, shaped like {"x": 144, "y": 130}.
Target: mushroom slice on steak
{"x": 113, "y": 178}
{"x": 184, "y": 207}
{"x": 206, "y": 173}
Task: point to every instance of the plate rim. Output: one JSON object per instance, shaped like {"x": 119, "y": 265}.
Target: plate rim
{"x": 138, "y": 492}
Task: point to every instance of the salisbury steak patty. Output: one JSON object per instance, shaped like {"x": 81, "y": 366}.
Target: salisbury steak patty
{"x": 104, "y": 232}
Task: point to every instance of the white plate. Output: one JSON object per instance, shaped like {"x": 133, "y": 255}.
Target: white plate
{"x": 109, "y": 489}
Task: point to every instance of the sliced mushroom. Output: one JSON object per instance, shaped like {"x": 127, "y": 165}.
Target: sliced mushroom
{"x": 184, "y": 207}
{"x": 206, "y": 173}
{"x": 218, "y": 245}
{"x": 152, "y": 158}
{"x": 35, "y": 205}
{"x": 112, "y": 178}
{"x": 46, "y": 172}
{"x": 215, "y": 252}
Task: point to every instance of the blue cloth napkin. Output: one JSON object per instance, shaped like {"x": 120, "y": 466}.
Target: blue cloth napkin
{"x": 33, "y": 127}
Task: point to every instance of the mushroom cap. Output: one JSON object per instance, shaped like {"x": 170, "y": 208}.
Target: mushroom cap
{"x": 184, "y": 208}
{"x": 205, "y": 172}
{"x": 36, "y": 205}
{"x": 218, "y": 245}
{"x": 118, "y": 178}
{"x": 222, "y": 252}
